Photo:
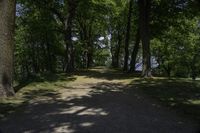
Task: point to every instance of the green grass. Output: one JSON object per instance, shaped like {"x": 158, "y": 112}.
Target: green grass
{"x": 43, "y": 86}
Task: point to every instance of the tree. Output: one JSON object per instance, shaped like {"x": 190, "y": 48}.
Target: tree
{"x": 135, "y": 51}
{"x": 177, "y": 49}
{"x": 71, "y": 6}
{"x": 7, "y": 24}
{"x": 64, "y": 35}
{"x": 38, "y": 46}
{"x": 127, "y": 41}
{"x": 144, "y": 11}
{"x": 117, "y": 30}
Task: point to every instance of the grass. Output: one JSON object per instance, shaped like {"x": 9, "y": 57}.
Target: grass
{"x": 43, "y": 86}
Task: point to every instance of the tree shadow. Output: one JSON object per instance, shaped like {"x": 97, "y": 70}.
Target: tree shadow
{"x": 48, "y": 77}
{"x": 183, "y": 96}
{"x": 15, "y": 104}
{"x": 106, "y": 108}
{"x": 108, "y": 74}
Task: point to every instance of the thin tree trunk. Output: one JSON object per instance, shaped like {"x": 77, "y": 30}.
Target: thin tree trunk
{"x": 117, "y": 52}
{"x": 127, "y": 41}
{"x": 49, "y": 64}
{"x": 168, "y": 70}
{"x": 89, "y": 54}
{"x": 7, "y": 24}
{"x": 89, "y": 60}
{"x": 193, "y": 67}
{"x": 135, "y": 52}
{"x": 90, "y": 48}
{"x": 112, "y": 50}
{"x": 144, "y": 6}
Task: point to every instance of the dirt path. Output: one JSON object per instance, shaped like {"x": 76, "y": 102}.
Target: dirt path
{"x": 96, "y": 105}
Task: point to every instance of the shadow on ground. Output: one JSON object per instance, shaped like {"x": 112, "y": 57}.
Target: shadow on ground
{"x": 107, "y": 74}
{"x": 107, "y": 108}
{"x": 48, "y": 77}
{"x": 16, "y": 104}
{"x": 104, "y": 107}
{"x": 181, "y": 95}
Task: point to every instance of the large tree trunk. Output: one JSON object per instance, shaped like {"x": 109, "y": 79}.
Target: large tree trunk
{"x": 135, "y": 51}
{"x": 69, "y": 49}
{"x": 7, "y": 24}
{"x": 69, "y": 59}
{"x": 126, "y": 57}
{"x": 144, "y": 9}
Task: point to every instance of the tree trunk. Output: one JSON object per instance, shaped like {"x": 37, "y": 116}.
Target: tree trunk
{"x": 69, "y": 59}
{"x": 89, "y": 57}
{"x": 112, "y": 51}
{"x": 126, "y": 57}
{"x": 90, "y": 49}
{"x": 135, "y": 52}
{"x": 69, "y": 49}
{"x": 144, "y": 9}
{"x": 116, "y": 48}
{"x": 7, "y": 24}
{"x": 193, "y": 67}
{"x": 50, "y": 67}
{"x": 117, "y": 52}
{"x": 168, "y": 70}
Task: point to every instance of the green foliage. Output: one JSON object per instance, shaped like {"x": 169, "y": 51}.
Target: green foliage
{"x": 41, "y": 35}
{"x": 178, "y": 48}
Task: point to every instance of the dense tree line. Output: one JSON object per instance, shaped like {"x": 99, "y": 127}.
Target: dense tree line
{"x": 66, "y": 35}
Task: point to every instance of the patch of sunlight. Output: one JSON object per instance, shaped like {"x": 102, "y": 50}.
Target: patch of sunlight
{"x": 85, "y": 80}
{"x": 11, "y": 103}
{"x": 63, "y": 129}
{"x": 82, "y": 110}
{"x": 12, "y": 100}
{"x": 172, "y": 104}
{"x": 194, "y": 102}
{"x": 171, "y": 99}
{"x": 86, "y": 124}
{"x": 73, "y": 110}
{"x": 93, "y": 111}
{"x": 28, "y": 131}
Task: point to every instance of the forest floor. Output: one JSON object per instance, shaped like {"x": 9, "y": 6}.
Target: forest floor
{"x": 102, "y": 100}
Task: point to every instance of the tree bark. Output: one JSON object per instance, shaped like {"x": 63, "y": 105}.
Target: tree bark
{"x": 144, "y": 9}
{"x": 135, "y": 52}
{"x": 69, "y": 49}
{"x": 127, "y": 41}
{"x": 116, "y": 46}
{"x": 7, "y": 24}
{"x": 117, "y": 52}
{"x": 90, "y": 48}
{"x": 193, "y": 67}
{"x": 69, "y": 59}
{"x": 168, "y": 70}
